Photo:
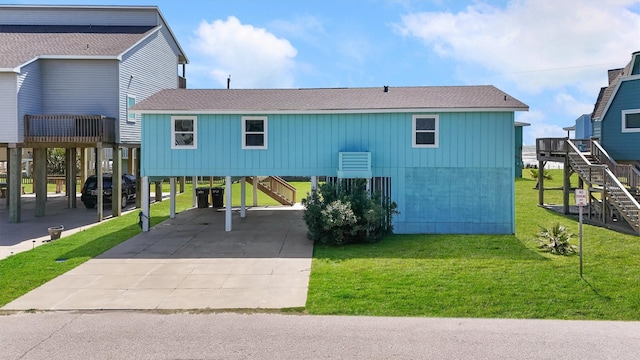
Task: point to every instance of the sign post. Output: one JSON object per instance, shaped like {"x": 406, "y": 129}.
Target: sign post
{"x": 581, "y": 201}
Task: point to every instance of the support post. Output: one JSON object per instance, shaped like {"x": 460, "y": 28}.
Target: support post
{"x": 14, "y": 185}
{"x": 100, "y": 183}
{"x": 71, "y": 176}
{"x": 172, "y": 197}
{"x": 137, "y": 155}
{"x": 194, "y": 185}
{"x": 314, "y": 183}
{"x": 146, "y": 209}
{"x": 227, "y": 215}
{"x": 566, "y": 185}
{"x": 182, "y": 181}
{"x": 243, "y": 197}
{"x": 116, "y": 182}
{"x": 255, "y": 191}
{"x": 540, "y": 183}
{"x": 159, "y": 191}
{"x": 40, "y": 174}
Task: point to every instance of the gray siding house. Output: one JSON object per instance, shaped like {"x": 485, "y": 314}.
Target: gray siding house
{"x": 68, "y": 75}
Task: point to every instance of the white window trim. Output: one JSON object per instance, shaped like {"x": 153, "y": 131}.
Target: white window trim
{"x": 195, "y": 132}
{"x": 414, "y": 131}
{"x": 244, "y": 133}
{"x": 130, "y": 120}
{"x": 623, "y": 125}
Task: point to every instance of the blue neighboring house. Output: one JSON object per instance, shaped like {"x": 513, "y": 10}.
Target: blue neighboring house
{"x": 68, "y": 76}
{"x": 616, "y": 117}
{"x": 445, "y": 154}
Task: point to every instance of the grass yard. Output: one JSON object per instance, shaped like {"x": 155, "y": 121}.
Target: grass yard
{"x": 483, "y": 275}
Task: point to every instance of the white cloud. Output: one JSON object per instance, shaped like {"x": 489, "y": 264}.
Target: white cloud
{"x": 533, "y": 43}
{"x": 571, "y": 106}
{"x": 252, "y": 56}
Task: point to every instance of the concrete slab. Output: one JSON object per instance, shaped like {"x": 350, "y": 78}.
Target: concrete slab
{"x": 190, "y": 262}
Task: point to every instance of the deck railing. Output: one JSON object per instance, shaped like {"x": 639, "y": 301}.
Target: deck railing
{"x": 182, "y": 82}
{"x": 69, "y": 129}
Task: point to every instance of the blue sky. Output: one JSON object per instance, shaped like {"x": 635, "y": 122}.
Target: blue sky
{"x": 551, "y": 54}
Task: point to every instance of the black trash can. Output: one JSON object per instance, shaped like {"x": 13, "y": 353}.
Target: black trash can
{"x": 217, "y": 197}
{"x": 203, "y": 197}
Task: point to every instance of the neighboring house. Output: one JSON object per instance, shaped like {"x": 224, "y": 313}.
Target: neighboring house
{"x": 519, "y": 141}
{"x": 583, "y": 127}
{"x": 444, "y": 154}
{"x": 616, "y": 117}
{"x": 68, "y": 76}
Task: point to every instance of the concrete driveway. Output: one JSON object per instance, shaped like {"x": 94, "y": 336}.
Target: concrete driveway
{"x": 190, "y": 262}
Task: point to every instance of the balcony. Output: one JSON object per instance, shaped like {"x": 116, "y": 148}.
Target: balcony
{"x": 182, "y": 82}
{"x": 77, "y": 129}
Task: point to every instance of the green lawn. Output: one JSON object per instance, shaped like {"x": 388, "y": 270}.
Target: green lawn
{"x": 416, "y": 275}
{"x": 483, "y": 275}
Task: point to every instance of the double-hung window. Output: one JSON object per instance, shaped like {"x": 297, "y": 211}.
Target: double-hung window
{"x": 254, "y": 132}
{"x": 131, "y": 100}
{"x": 631, "y": 120}
{"x": 425, "y": 131}
{"x": 184, "y": 132}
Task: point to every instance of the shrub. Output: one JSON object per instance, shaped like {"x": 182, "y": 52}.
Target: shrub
{"x": 545, "y": 174}
{"x": 556, "y": 240}
{"x": 346, "y": 213}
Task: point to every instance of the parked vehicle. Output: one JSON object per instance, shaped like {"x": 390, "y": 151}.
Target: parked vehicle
{"x": 89, "y": 190}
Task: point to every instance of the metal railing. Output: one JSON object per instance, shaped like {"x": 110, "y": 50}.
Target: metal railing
{"x": 69, "y": 129}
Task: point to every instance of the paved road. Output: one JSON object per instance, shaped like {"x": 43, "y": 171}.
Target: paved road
{"x": 139, "y": 335}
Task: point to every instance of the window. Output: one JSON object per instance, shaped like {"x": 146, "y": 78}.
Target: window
{"x": 425, "y": 131}
{"x": 131, "y": 100}
{"x": 184, "y": 132}
{"x": 631, "y": 120}
{"x": 254, "y": 132}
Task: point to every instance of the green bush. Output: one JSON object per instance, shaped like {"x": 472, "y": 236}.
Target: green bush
{"x": 556, "y": 240}
{"x": 346, "y": 213}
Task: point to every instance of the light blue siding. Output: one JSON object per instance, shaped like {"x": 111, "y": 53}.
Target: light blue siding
{"x": 146, "y": 69}
{"x": 87, "y": 87}
{"x": 463, "y": 186}
{"x": 621, "y": 146}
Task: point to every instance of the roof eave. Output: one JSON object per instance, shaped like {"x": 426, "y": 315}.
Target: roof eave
{"x": 324, "y": 111}
{"x": 613, "y": 95}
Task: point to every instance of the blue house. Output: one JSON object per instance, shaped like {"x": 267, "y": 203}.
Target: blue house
{"x": 444, "y": 154}
{"x": 68, "y": 76}
{"x": 616, "y": 117}
{"x": 583, "y": 127}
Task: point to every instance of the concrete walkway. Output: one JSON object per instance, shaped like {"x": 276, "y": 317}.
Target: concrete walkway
{"x": 190, "y": 262}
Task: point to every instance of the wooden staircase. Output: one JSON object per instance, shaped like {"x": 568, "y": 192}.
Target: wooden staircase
{"x": 276, "y": 188}
{"x": 619, "y": 185}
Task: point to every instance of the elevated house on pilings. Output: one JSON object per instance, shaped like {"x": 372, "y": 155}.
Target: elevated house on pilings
{"x": 68, "y": 76}
{"x": 608, "y": 162}
{"x": 444, "y": 154}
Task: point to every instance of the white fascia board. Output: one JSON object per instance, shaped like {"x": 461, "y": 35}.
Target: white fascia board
{"x": 614, "y": 93}
{"x": 172, "y": 35}
{"x": 79, "y": 57}
{"x": 359, "y": 111}
{"x": 155, "y": 30}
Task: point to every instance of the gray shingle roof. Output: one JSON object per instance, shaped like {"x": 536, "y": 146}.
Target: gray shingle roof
{"x": 22, "y": 43}
{"x": 336, "y": 99}
{"x": 606, "y": 92}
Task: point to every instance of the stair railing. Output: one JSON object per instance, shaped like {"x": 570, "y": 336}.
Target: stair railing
{"x": 627, "y": 174}
{"x": 612, "y": 182}
{"x": 594, "y": 175}
{"x": 280, "y": 186}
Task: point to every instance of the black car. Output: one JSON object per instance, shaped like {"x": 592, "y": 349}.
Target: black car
{"x": 89, "y": 190}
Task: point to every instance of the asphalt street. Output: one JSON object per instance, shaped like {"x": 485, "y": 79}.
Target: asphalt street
{"x": 144, "y": 335}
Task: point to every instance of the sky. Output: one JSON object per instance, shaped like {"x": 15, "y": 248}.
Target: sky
{"x": 553, "y": 55}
